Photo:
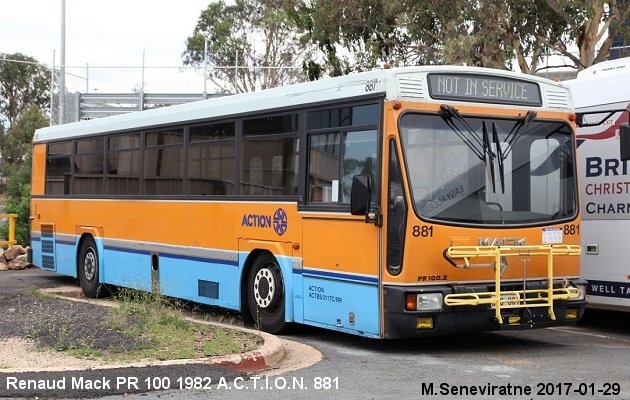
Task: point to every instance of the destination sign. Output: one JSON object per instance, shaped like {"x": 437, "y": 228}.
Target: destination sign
{"x": 483, "y": 88}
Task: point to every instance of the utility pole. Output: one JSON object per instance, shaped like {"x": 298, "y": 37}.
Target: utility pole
{"x": 52, "y": 91}
{"x": 141, "y": 100}
{"x": 62, "y": 78}
{"x": 205, "y": 68}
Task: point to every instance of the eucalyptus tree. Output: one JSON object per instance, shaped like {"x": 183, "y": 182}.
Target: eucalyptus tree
{"x": 590, "y": 26}
{"x": 251, "y": 45}
{"x": 23, "y": 82}
{"x": 354, "y": 35}
{"x": 16, "y": 150}
{"x": 361, "y": 34}
{"x": 527, "y": 31}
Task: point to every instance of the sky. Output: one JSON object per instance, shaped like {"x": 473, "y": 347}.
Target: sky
{"x": 105, "y": 36}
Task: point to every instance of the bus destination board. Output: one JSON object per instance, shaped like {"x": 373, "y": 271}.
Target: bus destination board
{"x": 483, "y": 88}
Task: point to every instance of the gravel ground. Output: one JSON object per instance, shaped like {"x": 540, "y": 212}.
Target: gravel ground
{"x": 23, "y": 354}
{"x": 59, "y": 323}
{"x": 30, "y": 321}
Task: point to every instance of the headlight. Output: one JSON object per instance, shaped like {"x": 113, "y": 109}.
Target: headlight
{"x": 423, "y": 302}
{"x": 582, "y": 289}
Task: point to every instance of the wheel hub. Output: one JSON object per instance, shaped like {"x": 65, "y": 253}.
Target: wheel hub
{"x": 264, "y": 287}
{"x": 89, "y": 265}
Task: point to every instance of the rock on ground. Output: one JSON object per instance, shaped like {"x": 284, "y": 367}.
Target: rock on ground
{"x": 14, "y": 258}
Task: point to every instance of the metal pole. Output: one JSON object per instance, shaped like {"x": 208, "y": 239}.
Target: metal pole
{"x": 547, "y": 65}
{"x": 62, "y": 78}
{"x": 141, "y": 102}
{"x": 205, "y": 68}
{"x": 236, "y": 73}
{"x": 52, "y": 91}
{"x": 87, "y": 77}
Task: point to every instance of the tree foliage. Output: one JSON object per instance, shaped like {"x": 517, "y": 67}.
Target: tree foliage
{"x": 16, "y": 144}
{"x": 24, "y": 93}
{"x": 353, "y": 35}
{"x": 360, "y": 34}
{"x": 23, "y": 82}
{"x": 17, "y": 152}
{"x": 592, "y": 26}
{"x": 252, "y": 44}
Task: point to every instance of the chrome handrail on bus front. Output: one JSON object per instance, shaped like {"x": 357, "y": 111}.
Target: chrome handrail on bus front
{"x": 513, "y": 298}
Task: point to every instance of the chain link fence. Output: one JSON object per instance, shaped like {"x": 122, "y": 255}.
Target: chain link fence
{"x": 84, "y": 106}
{"x": 619, "y": 52}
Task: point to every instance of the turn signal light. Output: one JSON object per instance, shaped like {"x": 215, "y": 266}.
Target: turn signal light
{"x": 411, "y": 302}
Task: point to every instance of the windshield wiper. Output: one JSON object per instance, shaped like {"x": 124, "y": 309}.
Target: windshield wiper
{"x": 448, "y": 113}
{"x": 491, "y": 155}
{"x": 517, "y": 130}
{"x": 500, "y": 157}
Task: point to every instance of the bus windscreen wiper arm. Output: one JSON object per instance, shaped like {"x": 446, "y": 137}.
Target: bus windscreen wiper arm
{"x": 448, "y": 113}
{"x": 517, "y": 130}
{"x": 488, "y": 150}
{"x": 500, "y": 157}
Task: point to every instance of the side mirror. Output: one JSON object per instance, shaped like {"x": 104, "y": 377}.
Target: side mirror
{"x": 361, "y": 195}
{"x": 624, "y": 142}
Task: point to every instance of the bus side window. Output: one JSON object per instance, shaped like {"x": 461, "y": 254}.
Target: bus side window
{"x": 324, "y": 164}
{"x": 359, "y": 158}
{"x": 396, "y": 214}
{"x": 335, "y": 159}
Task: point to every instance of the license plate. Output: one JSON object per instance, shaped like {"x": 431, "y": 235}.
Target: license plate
{"x": 509, "y": 299}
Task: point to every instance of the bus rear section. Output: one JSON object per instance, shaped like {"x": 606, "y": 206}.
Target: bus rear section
{"x": 600, "y": 94}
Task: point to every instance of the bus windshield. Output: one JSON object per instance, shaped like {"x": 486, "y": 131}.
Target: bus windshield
{"x": 487, "y": 170}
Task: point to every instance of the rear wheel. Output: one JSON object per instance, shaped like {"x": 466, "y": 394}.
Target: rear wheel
{"x": 88, "y": 268}
{"x": 265, "y": 294}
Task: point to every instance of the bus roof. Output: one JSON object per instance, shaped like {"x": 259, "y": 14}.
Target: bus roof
{"x": 602, "y": 84}
{"x": 606, "y": 68}
{"x": 408, "y": 83}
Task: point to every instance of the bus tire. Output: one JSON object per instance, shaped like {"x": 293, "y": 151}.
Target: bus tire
{"x": 89, "y": 268}
{"x": 265, "y": 294}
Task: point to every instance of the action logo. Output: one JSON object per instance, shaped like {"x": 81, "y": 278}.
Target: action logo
{"x": 280, "y": 221}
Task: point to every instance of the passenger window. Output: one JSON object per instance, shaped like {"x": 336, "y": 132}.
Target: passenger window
{"x": 335, "y": 158}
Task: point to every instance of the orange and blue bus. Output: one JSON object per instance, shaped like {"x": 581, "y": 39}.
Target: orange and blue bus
{"x": 400, "y": 202}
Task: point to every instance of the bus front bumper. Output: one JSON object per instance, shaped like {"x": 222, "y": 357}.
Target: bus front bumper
{"x": 400, "y": 322}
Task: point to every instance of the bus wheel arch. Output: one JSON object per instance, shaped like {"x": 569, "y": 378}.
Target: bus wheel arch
{"x": 88, "y": 266}
{"x": 264, "y": 292}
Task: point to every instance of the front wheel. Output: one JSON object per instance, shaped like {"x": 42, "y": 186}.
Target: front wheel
{"x": 88, "y": 268}
{"x": 265, "y": 294}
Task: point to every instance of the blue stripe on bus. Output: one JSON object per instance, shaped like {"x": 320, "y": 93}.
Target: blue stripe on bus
{"x": 172, "y": 255}
{"x": 339, "y": 275}
{"x": 200, "y": 259}
{"x": 126, "y": 250}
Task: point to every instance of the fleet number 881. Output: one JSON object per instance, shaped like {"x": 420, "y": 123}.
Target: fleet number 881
{"x": 422, "y": 231}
